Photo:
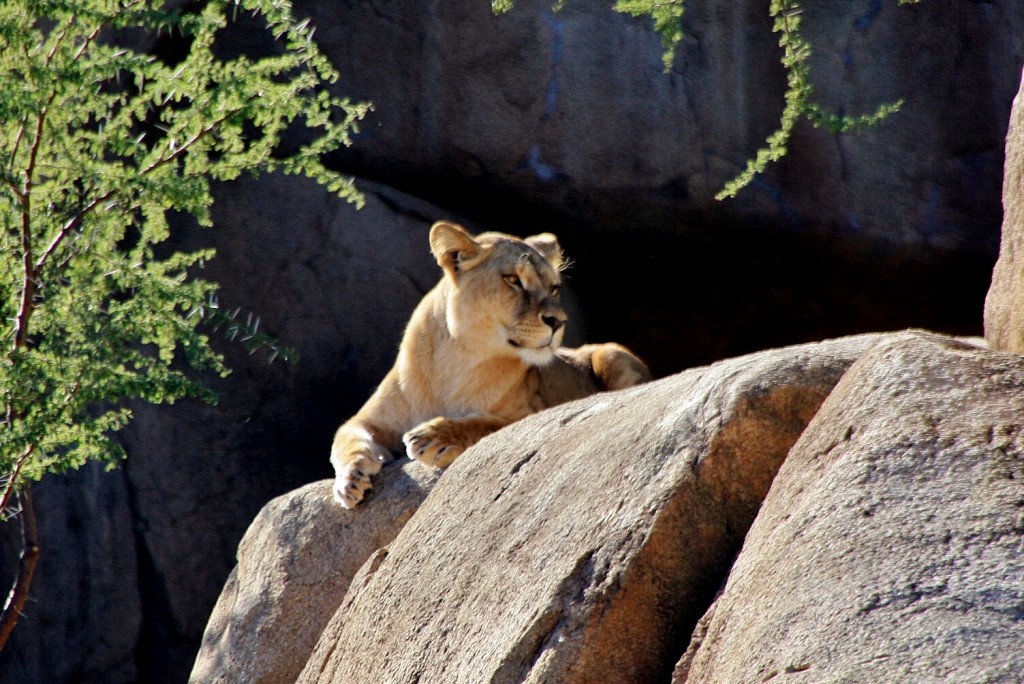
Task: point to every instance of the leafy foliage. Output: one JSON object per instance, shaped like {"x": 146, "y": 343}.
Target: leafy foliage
{"x": 668, "y": 21}
{"x": 796, "y": 53}
{"x": 98, "y": 142}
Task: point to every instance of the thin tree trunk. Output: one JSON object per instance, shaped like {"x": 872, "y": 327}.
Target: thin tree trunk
{"x": 26, "y": 567}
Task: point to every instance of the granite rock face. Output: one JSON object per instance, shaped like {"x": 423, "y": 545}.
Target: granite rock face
{"x": 889, "y": 546}
{"x": 582, "y": 540}
{"x": 300, "y": 258}
{"x": 1004, "y": 314}
{"x": 294, "y": 566}
{"x": 573, "y": 110}
{"x": 536, "y": 121}
{"x": 567, "y": 120}
{"x": 587, "y": 539}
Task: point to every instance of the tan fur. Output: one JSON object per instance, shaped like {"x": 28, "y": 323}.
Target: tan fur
{"x": 480, "y": 351}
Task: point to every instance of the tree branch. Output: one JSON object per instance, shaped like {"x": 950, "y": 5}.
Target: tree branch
{"x": 77, "y": 219}
{"x": 25, "y": 195}
{"x": 28, "y": 283}
{"x": 13, "y": 477}
{"x": 26, "y": 568}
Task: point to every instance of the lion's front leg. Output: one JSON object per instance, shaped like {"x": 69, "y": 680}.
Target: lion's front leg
{"x": 441, "y": 440}
{"x": 356, "y": 457}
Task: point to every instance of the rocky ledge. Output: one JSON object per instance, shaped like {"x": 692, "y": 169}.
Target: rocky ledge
{"x": 875, "y": 536}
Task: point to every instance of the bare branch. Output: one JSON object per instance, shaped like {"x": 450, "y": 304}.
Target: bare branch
{"x": 9, "y": 485}
{"x": 26, "y": 568}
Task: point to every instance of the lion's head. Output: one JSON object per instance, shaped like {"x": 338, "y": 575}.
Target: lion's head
{"x": 502, "y": 292}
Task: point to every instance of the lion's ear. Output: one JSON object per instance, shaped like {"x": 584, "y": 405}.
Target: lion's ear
{"x": 547, "y": 245}
{"x": 454, "y": 248}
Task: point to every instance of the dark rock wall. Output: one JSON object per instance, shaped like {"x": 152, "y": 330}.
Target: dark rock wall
{"x": 82, "y": 620}
{"x": 566, "y": 120}
{"x": 534, "y": 121}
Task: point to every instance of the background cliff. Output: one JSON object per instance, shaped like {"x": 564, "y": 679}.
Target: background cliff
{"x": 536, "y": 121}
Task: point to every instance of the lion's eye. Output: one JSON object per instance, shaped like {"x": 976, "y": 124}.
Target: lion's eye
{"x": 555, "y": 289}
{"x": 514, "y": 281}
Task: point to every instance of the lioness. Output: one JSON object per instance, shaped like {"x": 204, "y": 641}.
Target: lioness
{"x": 480, "y": 351}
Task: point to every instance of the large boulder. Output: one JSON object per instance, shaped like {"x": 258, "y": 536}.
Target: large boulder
{"x": 889, "y": 547}
{"x": 294, "y": 566}
{"x": 1004, "y": 315}
{"x": 599, "y": 524}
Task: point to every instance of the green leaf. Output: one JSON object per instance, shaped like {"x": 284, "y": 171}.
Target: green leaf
{"x": 98, "y": 142}
{"x": 667, "y": 16}
{"x": 668, "y": 21}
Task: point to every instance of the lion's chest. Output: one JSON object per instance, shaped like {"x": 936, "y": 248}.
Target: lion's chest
{"x": 460, "y": 387}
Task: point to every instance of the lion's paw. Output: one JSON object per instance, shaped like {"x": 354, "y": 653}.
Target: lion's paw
{"x": 433, "y": 443}
{"x": 352, "y": 481}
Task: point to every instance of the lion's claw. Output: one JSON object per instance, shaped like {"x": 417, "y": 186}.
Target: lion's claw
{"x": 429, "y": 443}
{"x": 353, "y": 481}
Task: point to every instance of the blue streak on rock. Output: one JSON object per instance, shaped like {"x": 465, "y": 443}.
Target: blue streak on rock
{"x": 557, "y": 47}
{"x": 852, "y": 222}
{"x": 543, "y": 171}
{"x": 784, "y": 207}
{"x": 864, "y": 21}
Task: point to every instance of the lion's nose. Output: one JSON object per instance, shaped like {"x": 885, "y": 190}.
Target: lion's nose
{"x": 553, "y": 322}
